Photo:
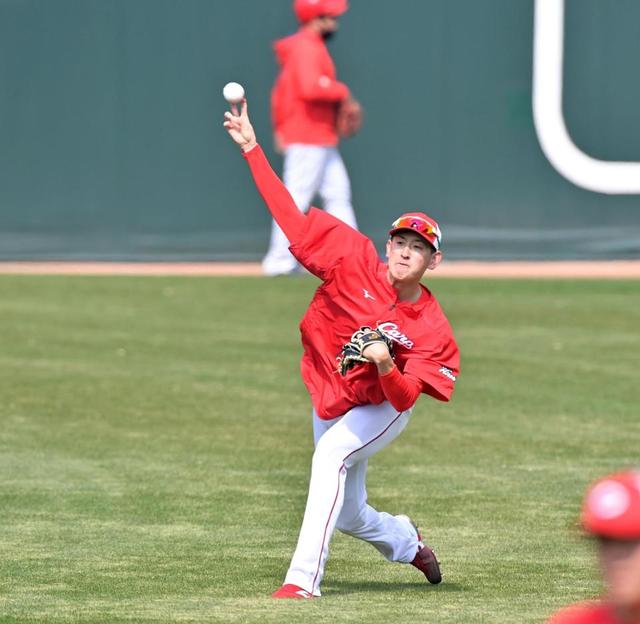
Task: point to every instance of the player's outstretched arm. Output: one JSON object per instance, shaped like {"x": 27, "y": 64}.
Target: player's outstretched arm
{"x": 273, "y": 191}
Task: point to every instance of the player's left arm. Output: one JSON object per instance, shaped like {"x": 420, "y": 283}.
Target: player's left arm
{"x": 436, "y": 366}
{"x": 401, "y": 390}
{"x": 431, "y": 368}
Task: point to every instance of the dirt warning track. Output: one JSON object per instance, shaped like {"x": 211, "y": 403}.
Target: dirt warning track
{"x": 601, "y": 269}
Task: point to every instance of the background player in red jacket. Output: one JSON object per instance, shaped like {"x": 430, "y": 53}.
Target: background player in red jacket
{"x": 310, "y": 111}
{"x": 357, "y": 414}
{"x": 611, "y": 512}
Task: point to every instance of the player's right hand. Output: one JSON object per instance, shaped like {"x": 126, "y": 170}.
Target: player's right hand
{"x": 239, "y": 127}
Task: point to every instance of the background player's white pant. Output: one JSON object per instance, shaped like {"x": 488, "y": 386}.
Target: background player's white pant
{"x": 310, "y": 170}
{"x": 338, "y": 495}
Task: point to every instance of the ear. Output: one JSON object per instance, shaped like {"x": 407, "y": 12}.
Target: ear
{"x": 388, "y": 248}
{"x": 436, "y": 259}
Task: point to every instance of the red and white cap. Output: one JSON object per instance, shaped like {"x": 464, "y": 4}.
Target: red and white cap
{"x": 421, "y": 224}
{"x": 611, "y": 506}
{"x": 306, "y": 10}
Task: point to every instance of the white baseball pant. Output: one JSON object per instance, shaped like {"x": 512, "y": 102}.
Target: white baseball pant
{"x": 310, "y": 170}
{"x": 338, "y": 496}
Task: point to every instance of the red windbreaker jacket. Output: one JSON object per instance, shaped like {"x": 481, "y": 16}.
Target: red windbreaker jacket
{"x": 305, "y": 97}
{"x": 356, "y": 292}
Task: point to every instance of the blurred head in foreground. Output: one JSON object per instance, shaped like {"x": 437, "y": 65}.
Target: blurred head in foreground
{"x": 611, "y": 512}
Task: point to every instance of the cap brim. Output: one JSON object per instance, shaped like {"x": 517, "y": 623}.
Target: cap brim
{"x": 433, "y": 243}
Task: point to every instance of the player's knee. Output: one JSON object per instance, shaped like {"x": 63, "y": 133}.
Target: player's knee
{"x": 326, "y": 456}
{"x": 350, "y": 521}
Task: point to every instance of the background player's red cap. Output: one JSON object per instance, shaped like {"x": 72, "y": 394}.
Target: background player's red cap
{"x": 421, "y": 224}
{"x": 612, "y": 506}
{"x": 307, "y": 10}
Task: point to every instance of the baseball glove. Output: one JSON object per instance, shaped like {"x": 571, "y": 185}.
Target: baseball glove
{"x": 351, "y": 353}
{"x": 349, "y": 118}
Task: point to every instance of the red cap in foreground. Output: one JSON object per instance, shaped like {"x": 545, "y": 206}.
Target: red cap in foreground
{"x": 612, "y": 506}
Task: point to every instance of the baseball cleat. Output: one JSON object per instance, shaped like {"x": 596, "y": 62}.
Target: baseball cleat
{"x": 291, "y": 591}
{"x": 425, "y": 559}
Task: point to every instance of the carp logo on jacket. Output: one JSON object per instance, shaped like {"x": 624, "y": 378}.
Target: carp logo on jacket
{"x": 391, "y": 330}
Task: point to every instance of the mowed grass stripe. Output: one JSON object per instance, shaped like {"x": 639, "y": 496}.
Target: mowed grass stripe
{"x": 155, "y": 448}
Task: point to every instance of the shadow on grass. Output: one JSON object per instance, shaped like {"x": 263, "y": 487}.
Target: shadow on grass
{"x": 379, "y": 586}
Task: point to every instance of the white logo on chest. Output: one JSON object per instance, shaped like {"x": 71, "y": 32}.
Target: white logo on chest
{"x": 367, "y": 295}
{"x": 391, "y": 330}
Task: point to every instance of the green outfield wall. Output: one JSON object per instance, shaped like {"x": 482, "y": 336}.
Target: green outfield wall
{"x": 112, "y": 146}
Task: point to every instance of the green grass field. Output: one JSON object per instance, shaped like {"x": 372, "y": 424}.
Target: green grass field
{"x": 156, "y": 438}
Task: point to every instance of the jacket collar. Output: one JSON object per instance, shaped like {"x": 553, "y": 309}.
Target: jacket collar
{"x": 412, "y": 309}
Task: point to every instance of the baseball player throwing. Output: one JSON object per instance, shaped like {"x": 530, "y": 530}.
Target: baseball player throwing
{"x": 374, "y": 339}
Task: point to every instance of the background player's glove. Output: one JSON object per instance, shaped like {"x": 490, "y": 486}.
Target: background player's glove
{"x": 351, "y": 353}
{"x": 349, "y": 118}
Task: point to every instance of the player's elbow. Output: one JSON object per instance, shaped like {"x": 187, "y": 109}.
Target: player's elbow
{"x": 402, "y": 406}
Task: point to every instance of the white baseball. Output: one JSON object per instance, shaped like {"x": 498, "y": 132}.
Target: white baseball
{"x": 233, "y": 92}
